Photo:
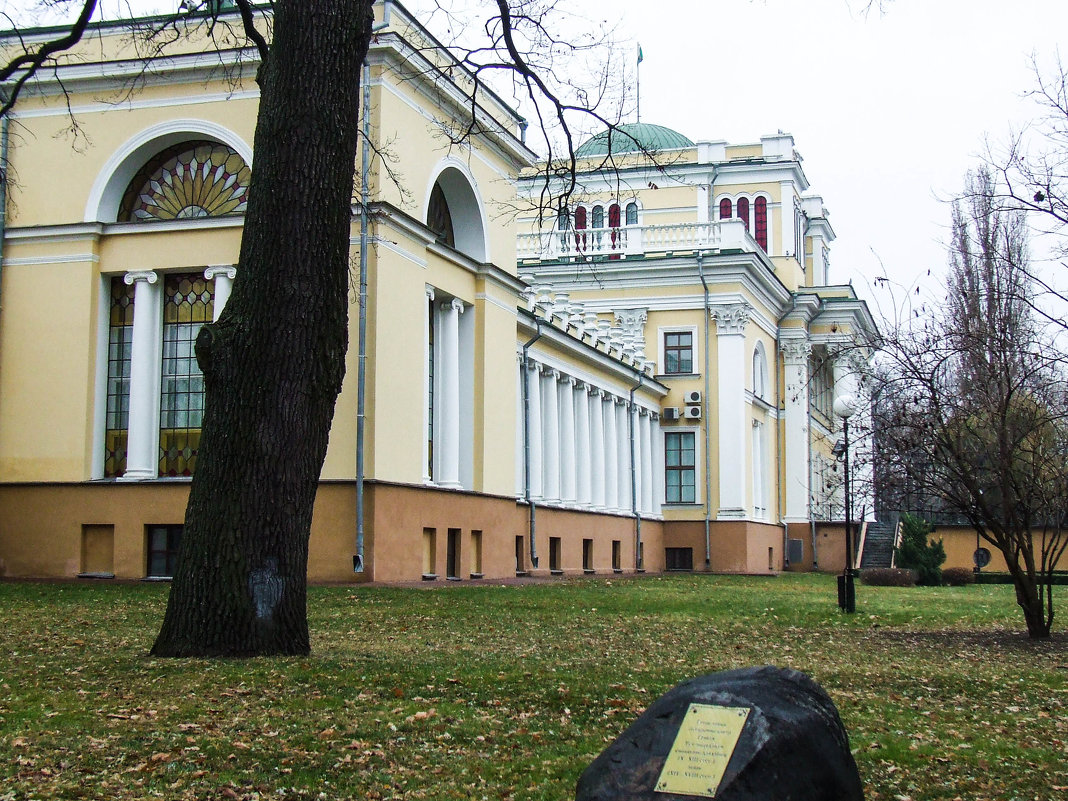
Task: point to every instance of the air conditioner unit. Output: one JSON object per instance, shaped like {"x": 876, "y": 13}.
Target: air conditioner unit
{"x": 670, "y": 413}
{"x": 693, "y": 412}
{"x": 693, "y": 396}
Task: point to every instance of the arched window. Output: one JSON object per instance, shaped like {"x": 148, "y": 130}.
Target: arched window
{"x": 761, "y": 222}
{"x": 580, "y": 228}
{"x": 598, "y": 216}
{"x": 632, "y": 214}
{"x": 191, "y": 179}
{"x": 613, "y": 223}
{"x": 760, "y": 372}
{"x": 725, "y": 212}
{"x": 562, "y": 220}
{"x": 743, "y": 211}
{"x": 439, "y": 217}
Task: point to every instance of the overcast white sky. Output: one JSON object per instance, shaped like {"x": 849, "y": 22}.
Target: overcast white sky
{"x": 887, "y": 109}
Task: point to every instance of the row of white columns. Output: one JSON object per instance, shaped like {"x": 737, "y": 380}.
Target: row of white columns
{"x": 142, "y": 438}
{"x": 583, "y": 441}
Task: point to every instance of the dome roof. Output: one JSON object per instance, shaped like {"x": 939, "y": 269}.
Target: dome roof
{"x": 633, "y": 137}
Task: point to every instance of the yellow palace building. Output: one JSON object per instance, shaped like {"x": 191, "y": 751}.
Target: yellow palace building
{"x": 641, "y": 382}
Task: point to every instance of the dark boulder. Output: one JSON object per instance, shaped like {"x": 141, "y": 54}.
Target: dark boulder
{"x": 792, "y": 747}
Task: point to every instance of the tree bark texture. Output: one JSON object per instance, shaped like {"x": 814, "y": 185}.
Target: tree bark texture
{"x": 274, "y": 362}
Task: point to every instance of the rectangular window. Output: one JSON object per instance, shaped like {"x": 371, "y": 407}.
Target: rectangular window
{"x": 163, "y": 545}
{"x": 120, "y": 349}
{"x": 430, "y": 552}
{"x": 617, "y": 555}
{"x": 452, "y": 554}
{"x": 187, "y": 306}
{"x": 520, "y": 556}
{"x": 476, "y": 554}
{"x": 554, "y": 555}
{"x": 680, "y": 466}
{"x": 678, "y": 352}
{"x": 587, "y": 555}
{"x": 678, "y": 558}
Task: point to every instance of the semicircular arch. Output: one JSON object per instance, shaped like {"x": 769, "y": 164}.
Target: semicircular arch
{"x": 465, "y": 207}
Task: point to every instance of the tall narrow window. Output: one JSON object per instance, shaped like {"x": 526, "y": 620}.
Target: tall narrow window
{"x": 598, "y": 224}
{"x": 680, "y": 462}
{"x": 162, "y": 544}
{"x": 439, "y": 217}
{"x": 743, "y": 211}
{"x": 613, "y": 223}
{"x": 632, "y": 214}
{"x": 187, "y": 305}
{"x": 580, "y": 228}
{"x": 678, "y": 352}
{"x": 725, "y": 211}
{"x": 760, "y": 208}
{"x": 120, "y": 348}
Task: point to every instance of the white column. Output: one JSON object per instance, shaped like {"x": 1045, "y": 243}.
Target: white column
{"x": 795, "y": 352}
{"x": 428, "y": 357}
{"x": 623, "y": 431}
{"x": 658, "y": 466}
{"x": 647, "y": 463}
{"x": 448, "y": 439}
{"x": 611, "y": 455}
{"x": 520, "y": 429}
{"x": 534, "y": 435}
{"x": 733, "y": 464}
{"x": 550, "y": 426}
{"x": 637, "y": 454}
{"x": 583, "y": 445}
{"x": 224, "y": 275}
{"x": 597, "y": 449}
{"x": 568, "y": 451}
{"x": 142, "y": 445}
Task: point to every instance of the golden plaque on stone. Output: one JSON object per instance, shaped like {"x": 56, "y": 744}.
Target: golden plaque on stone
{"x": 702, "y": 748}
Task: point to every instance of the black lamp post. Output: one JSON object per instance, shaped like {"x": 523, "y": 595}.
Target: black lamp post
{"x": 844, "y": 407}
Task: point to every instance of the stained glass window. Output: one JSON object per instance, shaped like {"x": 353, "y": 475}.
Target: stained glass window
{"x": 761, "y": 222}
{"x": 598, "y": 216}
{"x": 743, "y": 210}
{"x": 187, "y": 305}
{"x": 725, "y": 211}
{"x": 120, "y": 344}
{"x": 192, "y": 179}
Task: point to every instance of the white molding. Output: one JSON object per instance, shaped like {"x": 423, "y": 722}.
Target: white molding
{"x": 672, "y": 329}
{"x": 73, "y": 258}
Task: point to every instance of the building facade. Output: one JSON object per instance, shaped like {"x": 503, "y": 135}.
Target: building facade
{"x": 517, "y": 420}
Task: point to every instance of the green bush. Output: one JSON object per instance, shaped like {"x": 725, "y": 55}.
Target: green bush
{"x": 888, "y": 577}
{"x": 917, "y": 553}
{"x": 958, "y": 576}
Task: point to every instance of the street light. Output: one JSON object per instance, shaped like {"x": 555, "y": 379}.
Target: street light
{"x": 845, "y": 406}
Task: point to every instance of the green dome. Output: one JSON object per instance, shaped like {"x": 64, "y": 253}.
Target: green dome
{"x": 633, "y": 137}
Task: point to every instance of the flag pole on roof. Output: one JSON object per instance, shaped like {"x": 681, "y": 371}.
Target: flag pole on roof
{"x": 639, "y": 81}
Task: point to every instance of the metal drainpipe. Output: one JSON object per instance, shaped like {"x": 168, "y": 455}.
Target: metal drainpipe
{"x": 638, "y": 560}
{"x": 708, "y": 426}
{"x": 526, "y": 447}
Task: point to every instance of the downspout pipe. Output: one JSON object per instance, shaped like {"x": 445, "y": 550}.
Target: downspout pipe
{"x": 707, "y": 423}
{"x": 533, "y": 529}
{"x": 639, "y": 561}
{"x": 361, "y": 363}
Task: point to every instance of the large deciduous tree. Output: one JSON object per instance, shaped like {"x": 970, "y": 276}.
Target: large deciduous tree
{"x": 974, "y": 402}
{"x": 274, "y": 362}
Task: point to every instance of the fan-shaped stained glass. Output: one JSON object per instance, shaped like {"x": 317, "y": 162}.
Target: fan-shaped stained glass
{"x": 192, "y": 179}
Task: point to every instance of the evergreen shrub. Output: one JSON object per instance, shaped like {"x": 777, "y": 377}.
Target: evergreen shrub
{"x": 918, "y": 553}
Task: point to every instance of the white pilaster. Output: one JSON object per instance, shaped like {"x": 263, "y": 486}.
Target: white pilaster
{"x": 795, "y": 352}
{"x": 428, "y": 389}
{"x": 534, "y": 436}
{"x": 622, "y": 411}
{"x": 611, "y": 455}
{"x": 568, "y": 451}
{"x": 224, "y": 275}
{"x": 733, "y": 464}
{"x": 448, "y": 443}
{"x": 550, "y": 404}
{"x": 142, "y": 448}
{"x": 584, "y": 447}
{"x": 598, "y": 466}
{"x": 647, "y": 462}
{"x": 659, "y": 489}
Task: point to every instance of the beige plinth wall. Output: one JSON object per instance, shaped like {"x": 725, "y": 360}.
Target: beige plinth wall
{"x": 62, "y": 530}
{"x": 736, "y": 546}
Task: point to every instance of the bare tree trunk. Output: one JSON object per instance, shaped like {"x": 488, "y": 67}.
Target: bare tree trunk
{"x": 274, "y": 362}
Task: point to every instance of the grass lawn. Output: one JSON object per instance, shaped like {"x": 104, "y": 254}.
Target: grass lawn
{"x": 497, "y": 692}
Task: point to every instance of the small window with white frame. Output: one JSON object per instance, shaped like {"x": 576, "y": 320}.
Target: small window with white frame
{"x": 678, "y": 351}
